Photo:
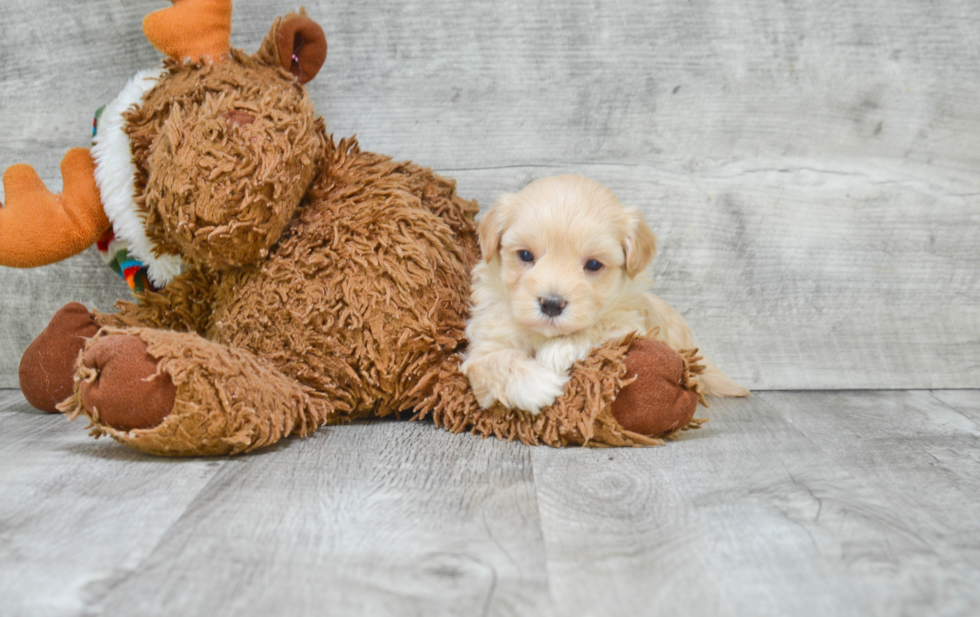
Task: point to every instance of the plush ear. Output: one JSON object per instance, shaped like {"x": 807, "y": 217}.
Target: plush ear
{"x": 640, "y": 245}
{"x": 296, "y": 43}
{"x": 493, "y": 225}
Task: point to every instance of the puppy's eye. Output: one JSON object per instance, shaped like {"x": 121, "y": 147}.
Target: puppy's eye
{"x": 526, "y": 256}
{"x": 593, "y": 265}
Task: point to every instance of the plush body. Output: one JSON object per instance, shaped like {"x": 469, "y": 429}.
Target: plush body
{"x": 358, "y": 331}
{"x": 304, "y": 282}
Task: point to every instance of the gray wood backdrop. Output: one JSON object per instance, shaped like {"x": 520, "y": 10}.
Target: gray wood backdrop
{"x": 812, "y": 169}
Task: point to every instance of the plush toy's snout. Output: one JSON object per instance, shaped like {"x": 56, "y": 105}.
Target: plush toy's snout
{"x": 225, "y": 176}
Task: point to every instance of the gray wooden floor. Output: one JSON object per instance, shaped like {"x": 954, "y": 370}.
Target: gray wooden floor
{"x": 788, "y": 503}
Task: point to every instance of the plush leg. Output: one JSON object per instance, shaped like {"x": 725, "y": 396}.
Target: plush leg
{"x": 47, "y": 368}
{"x": 178, "y": 394}
{"x": 662, "y": 400}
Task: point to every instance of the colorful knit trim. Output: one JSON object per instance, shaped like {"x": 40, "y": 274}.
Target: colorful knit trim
{"x": 115, "y": 252}
{"x": 95, "y": 122}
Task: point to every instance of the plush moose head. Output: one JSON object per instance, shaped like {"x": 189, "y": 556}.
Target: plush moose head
{"x": 226, "y": 144}
{"x": 204, "y": 160}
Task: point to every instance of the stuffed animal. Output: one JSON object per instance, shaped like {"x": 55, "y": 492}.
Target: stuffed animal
{"x": 292, "y": 280}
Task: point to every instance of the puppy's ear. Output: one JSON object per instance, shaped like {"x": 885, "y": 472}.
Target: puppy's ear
{"x": 640, "y": 245}
{"x": 493, "y": 225}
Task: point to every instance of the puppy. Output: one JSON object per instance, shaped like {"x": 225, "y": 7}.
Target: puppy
{"x": 565, "y": 271}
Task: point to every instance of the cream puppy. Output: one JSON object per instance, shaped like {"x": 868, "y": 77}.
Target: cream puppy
{"x": 565, "y": 271}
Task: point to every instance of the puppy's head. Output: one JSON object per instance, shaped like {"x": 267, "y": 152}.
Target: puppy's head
{"x": 567, "y": 249}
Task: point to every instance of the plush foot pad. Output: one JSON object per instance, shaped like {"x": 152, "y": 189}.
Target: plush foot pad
{"x": 123, "y": 386}
{"x": 47, "y": 369}
{"x": 663, "y": 397}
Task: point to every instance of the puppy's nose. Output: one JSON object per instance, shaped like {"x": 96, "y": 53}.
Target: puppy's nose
{"x": 552, "y": 306}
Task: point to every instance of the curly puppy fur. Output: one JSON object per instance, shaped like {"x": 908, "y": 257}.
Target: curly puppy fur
{"x": 565, "y": 271}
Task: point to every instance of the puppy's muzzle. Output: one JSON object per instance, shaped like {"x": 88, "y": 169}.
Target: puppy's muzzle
{"x": 552, "y": 306}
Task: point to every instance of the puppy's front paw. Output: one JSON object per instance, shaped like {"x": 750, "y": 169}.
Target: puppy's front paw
{"x": 533, "y": 391}
{"x": 560, "y": 356}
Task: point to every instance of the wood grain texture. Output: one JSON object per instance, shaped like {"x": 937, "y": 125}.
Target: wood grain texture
{"x": 13, "y": 401}
{"x": 784, "y": 504}
{"x": 966, "y": 402}
{"x": 810, "y": 168}
{"x": 77, "y": 515}
{"x": 384, "y": 519}
{"x": 790, "y": 503}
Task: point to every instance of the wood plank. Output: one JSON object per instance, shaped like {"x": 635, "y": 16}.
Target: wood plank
{"x": 76, "y": 514}
{"x": 804, "y": 164}
{"x": 922, "y": 451}
{"x": 12, "y": 401}
{"x": 850, "y": 503}
{"x": 922, "y": 457}
{"x": 650, "y": 82}
{"x": 386, "y": 518}
{"x": 778, "y": 506}
{"x": 967, "y": 402}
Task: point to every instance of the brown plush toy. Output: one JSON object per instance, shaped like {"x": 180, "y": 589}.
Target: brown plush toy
{"x": 301, "y": 281}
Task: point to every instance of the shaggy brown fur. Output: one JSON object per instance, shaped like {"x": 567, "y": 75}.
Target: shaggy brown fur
{"x": 362, "y": 291}
{"x": 221, "y": 193}
{"x": 323, "y": 283}
{"x": 227, "y": 400}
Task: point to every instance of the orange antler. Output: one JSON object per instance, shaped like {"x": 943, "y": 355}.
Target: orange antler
{"x": 192, "y": 30}
{"x": 38, "y": 227}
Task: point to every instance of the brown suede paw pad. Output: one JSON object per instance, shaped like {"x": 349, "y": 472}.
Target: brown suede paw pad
{"x": 47, "y": 368}
{"x": 127, "y": 391}
{"x": 658, "y": 401}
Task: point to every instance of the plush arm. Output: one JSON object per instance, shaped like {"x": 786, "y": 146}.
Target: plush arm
{"x": 627, "y": 392}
